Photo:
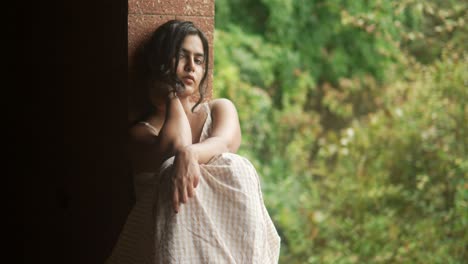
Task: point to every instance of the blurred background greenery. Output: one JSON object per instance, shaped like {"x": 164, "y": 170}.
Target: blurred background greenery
{"x": 354, "y": 114}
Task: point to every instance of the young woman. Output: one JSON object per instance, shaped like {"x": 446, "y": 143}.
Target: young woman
{"x": 196, "y": 200}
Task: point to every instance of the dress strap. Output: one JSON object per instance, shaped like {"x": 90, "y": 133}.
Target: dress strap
{"x": 207, "y": 108}
{"x": 206, "y": 126}
{"x": 152, "y": 128}
{"x": 206, "y": 130}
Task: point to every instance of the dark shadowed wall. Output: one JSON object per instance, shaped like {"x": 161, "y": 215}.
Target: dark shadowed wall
{"x": 72, "y": 115}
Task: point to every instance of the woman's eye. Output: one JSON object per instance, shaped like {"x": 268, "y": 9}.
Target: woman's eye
{"x": 199, "y": 61}
{"x": 181, "y": 55}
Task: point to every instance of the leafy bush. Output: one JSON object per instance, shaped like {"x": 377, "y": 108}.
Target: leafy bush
{"x": 354, "y": 114}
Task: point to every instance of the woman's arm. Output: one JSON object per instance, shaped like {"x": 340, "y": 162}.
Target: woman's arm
{"x": 175, "y": 133}
{"x": 225, "y": 137}
{"x": 174, "y": 139}
{"x": 225, "y": 134}
{"x": 173, "y": 136}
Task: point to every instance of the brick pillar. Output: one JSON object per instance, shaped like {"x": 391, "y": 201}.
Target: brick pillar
{"x": 144, "y": 16}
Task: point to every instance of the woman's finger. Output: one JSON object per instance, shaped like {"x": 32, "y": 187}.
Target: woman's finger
{"x": 176, "y": 200}
{"x": 190, "y": 190}
{"x": 183, "y": 193}
{"x": 196, "y": 179}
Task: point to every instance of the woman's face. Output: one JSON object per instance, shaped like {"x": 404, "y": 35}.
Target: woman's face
{"x": 191, "y": 63}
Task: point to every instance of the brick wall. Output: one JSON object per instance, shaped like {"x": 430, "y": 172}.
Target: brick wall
{"x": 144, "y": 16}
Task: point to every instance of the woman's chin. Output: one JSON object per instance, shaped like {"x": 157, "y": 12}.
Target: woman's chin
{"x": 188, "y": 91}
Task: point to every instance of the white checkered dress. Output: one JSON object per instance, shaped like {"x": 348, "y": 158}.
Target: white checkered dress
{"x": 226, "y": 221}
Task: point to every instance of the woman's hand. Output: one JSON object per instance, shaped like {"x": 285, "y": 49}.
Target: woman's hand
{"x": 163, "y": 88}
{"x": 186, "y": 176}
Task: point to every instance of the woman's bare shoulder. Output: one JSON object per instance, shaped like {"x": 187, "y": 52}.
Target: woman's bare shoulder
{"x": 142, "y": 133}
{"x": 221, "y": 104}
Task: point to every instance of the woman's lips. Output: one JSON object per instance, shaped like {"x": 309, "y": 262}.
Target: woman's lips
{"x": 188, "y": 80}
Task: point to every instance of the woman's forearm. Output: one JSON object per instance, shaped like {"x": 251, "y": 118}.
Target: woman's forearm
{"x": 175, "y": 133}
{"x": 207, "y": 149}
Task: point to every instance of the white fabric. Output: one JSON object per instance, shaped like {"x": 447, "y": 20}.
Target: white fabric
{"x": 226, "y": 221}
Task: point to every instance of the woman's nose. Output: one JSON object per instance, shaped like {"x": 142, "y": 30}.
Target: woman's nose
{"x": 189, "y": 65}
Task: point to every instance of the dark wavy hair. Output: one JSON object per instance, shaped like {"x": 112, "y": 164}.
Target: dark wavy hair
{"x": 164, "y": 46}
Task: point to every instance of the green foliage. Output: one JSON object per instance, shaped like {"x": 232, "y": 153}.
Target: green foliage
{"x": 354, "y": 114}
{"x": 399, "y": 171}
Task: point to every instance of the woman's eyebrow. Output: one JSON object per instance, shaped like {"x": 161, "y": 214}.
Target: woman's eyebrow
{"x": 196, "y": 54}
